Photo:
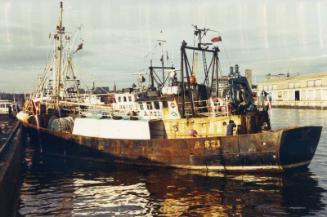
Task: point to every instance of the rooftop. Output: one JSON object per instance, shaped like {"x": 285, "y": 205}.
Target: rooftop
{"x": 282, "y": 77}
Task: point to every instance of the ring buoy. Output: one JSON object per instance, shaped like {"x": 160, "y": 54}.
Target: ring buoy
{"x": 172, "y": 105}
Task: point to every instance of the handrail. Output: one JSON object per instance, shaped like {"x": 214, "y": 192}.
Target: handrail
{"x": 83, "y": 104}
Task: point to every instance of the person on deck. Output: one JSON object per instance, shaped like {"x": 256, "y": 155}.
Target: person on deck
{"x": 230, "y": 128}
{"x": 10, "y": 112}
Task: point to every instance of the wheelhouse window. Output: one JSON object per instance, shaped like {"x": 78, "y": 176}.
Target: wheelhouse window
{"x": 156, "y": 105}
{"x": 125, "y": 98}
{"x": 141, "y": 106}
{"x": 130, "y": 98}
{"x": 165, "y": 104}
{"x": 149, "y": 105}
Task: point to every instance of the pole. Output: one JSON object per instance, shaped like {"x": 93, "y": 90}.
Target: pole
{"x": 59, "y": 48}
{"x": 217, "y": 81}
{"x": 163, "y": 67}
{"x": 151, "y": 75}
{"x": 182, "y": 77}
{"x": 187, "y": 68}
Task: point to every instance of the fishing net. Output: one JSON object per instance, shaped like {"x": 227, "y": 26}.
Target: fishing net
{"x": 61, "y": 124}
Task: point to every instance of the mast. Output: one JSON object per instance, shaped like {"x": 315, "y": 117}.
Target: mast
{"x": 182, "y": 78}
{"x": 154, "y": 77}
{"x": 59, "y": 80}
{"x": 185, "y": 67}
{"x": 60, "y": 31}
{"x": 151, "y": 75}
{"x": 161, "y": 42}
{"x": 186, "y": 71}
{"x": 200, "y": 33}
{"x": 217, "y": 69}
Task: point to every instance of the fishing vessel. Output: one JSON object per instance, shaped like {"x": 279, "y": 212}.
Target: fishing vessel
{"x": 191, "y": 122}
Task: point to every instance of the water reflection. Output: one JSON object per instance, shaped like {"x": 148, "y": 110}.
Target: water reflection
{"x": 54, "y": 187}
{"x": 300, "y": 117}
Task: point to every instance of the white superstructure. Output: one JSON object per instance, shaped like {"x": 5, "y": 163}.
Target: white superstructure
{"x": 112, "y": 129}
{"x": 5, "y": 105}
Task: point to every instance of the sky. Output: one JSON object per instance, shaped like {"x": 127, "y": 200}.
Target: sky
{"x": 120, "y": 36}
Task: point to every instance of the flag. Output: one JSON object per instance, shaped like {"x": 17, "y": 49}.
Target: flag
{"x": 80, "y": 47}
{"x": 216, "y": 39}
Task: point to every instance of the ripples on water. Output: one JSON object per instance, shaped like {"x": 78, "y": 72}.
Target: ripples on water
{"x": 53, "y": 187}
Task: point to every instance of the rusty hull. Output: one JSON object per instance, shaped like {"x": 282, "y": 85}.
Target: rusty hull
{"x": 270, "y": 151}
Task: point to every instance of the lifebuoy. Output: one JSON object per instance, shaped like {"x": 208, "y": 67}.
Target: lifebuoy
{"x": 172, "y": 105}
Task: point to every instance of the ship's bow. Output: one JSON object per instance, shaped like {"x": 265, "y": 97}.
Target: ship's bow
{"x": 298, "y": 146}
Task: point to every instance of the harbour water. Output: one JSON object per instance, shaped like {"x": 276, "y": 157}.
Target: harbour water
{"x": 55, "y": 187}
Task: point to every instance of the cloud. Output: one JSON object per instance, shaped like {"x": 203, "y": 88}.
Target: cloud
{"x": 261, "y": 35}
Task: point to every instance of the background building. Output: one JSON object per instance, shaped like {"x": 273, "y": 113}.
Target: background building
{"x": 303, "y": 91}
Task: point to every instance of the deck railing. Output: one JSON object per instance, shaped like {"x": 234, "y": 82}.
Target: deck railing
{"x": 205, "y": 107}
